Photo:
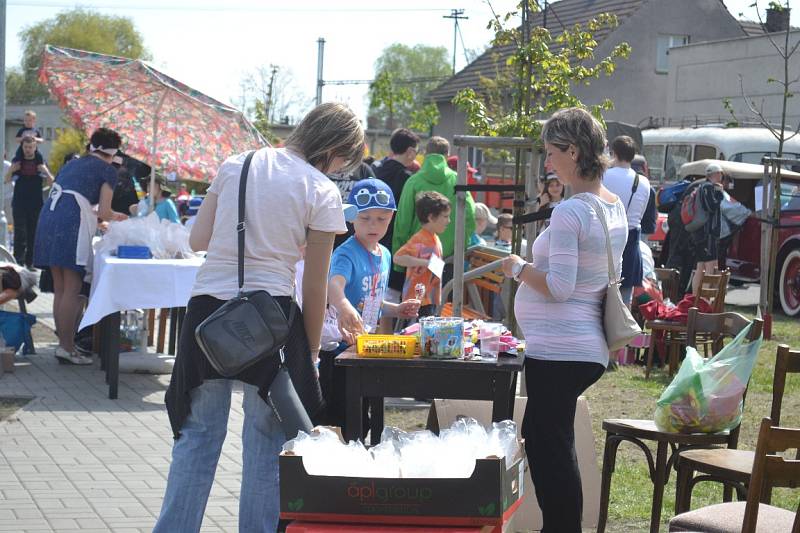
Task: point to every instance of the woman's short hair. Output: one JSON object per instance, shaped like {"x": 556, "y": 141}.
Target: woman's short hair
{"x": 328, "y": 131}
{"x": 438, "y": 145}
{"x": 105, "y": 138}
{"x": 577, "y": 127}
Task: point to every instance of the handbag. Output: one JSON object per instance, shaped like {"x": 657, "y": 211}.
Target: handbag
{"x": 618, "y": 323}
{"x": 249, "y": 327}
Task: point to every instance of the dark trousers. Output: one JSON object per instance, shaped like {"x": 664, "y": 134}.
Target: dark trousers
{"x": 25, "y": 220}
{"x": 549, "y": 432}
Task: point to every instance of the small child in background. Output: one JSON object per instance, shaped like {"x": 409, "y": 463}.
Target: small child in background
{"x": 29, "y": 130}
{"x": 504, "y": 231}
{"x": 433, "y": 211}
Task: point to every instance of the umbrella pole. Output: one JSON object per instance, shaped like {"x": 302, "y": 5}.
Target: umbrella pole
{"x": 153, "y": 152}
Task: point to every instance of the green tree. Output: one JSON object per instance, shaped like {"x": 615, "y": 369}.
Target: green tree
{"x": 79, "y": 28}
{"x": 404, "y": 75}
{"x": 537, "y": 79}
{"x": 69, "y": 140}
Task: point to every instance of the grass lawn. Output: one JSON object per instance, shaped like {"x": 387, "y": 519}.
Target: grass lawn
{"x": 624, "y": 393}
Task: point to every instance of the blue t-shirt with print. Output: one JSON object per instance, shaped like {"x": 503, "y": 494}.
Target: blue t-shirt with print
{"x": 365, "y": 272}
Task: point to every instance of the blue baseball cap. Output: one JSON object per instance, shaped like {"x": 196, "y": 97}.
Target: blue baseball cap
{"x": 370, "y": 193}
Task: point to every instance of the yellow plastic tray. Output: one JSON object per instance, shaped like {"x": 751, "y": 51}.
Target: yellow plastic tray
{"x": 389, "y": 346}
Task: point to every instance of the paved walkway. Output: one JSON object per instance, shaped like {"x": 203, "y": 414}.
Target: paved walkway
{"x": 72, "y": 459}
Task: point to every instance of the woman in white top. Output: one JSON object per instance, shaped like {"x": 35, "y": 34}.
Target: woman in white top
{"x": 558, "y": 308}
{"x": 290, "y": 203}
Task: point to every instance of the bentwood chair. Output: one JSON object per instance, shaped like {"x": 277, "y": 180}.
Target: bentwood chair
{"x": 639, "y": 432}
{"x": 732, "y": 467}
{"x": 713, "y": 289}
{"x": 771, "y": 469}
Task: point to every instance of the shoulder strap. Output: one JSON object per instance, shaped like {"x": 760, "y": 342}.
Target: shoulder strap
{"x": 633, "y": 190}
{"x": 586, "y": 197}
{"x": 241, "y": 223}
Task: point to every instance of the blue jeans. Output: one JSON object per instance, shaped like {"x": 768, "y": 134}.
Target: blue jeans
{"x": 196, "y": 453}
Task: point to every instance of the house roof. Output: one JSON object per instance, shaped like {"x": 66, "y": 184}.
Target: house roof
{"x": 751, "y": 27}
{"x": 562, "y": 14}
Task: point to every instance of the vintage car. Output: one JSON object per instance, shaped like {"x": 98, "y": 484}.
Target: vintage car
{"x": 744, "y": 255}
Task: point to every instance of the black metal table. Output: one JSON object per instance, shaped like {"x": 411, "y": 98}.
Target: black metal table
{"x": 375, "y": 379}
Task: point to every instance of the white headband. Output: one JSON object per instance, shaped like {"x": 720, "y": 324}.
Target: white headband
{"x": 109, "y": 151}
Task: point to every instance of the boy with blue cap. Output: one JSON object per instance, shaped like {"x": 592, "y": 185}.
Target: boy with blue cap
{"x": 358, "y": 279}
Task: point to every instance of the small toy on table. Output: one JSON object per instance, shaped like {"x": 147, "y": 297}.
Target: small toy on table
{"x": 442, "y": 337}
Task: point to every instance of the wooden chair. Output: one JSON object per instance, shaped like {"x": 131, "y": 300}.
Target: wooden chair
{"x": 482, "y": 281}
{"x": 670, "y": 280}
{"x": 732, "y": 467}
{"x": 756, "y": 515}
{"x": 639, "y": 431}
{"x": 713, "y": 289}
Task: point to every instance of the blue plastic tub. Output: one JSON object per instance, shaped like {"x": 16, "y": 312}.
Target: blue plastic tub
{"x": 133, "y": 252}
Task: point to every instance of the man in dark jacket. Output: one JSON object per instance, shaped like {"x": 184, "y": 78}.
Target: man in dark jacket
{"x": 394, "y": 172}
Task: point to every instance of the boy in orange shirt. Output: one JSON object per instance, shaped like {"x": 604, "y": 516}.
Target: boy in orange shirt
{"x": 433, "y": 210}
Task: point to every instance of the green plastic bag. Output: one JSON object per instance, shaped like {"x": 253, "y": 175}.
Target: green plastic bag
{"x": 707, "y": 396}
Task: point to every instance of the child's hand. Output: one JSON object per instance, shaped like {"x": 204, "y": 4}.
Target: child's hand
{"x": 350, "y": 324}
{"x": 408, "y": 308}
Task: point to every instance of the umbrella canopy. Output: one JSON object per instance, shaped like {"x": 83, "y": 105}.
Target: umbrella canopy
{"x": 162, "y": 121}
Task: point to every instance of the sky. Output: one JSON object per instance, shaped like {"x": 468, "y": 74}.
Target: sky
{"x": 212, "y": 45}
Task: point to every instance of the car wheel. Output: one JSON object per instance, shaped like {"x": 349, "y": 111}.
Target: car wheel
{"x": 789, "y": 284}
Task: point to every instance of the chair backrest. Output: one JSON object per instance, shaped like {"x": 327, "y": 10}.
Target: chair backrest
{"x": 714, "y": 288}
{"x": 787, "y": 362}
{"x": 717, "y": 326}
{"x": 771, "y": 470}
{"x": 670, "y": 279}
{"x": 489, "y": 281}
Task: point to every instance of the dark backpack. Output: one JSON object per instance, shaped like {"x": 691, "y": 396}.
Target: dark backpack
{"x": 693, "y": 213}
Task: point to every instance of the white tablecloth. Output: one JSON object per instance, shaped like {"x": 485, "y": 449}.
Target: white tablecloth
{"x": 121, "y": 284}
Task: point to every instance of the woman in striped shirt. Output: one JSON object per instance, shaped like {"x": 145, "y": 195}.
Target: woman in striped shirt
{"x": 559, "y": 309}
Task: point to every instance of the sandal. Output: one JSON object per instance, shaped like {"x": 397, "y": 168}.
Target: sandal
{"x": 66, "y": 358}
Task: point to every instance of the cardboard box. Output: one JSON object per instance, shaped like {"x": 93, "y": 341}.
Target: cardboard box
{"x": 489, "y": 497}
{"x": 529, "y": 517}
{"x": 318, "y": 527}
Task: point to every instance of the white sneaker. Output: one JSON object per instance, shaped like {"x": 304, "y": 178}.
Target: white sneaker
{"x": 66, "y": 358}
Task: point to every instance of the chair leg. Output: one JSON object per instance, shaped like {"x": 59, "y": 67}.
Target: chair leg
{"x": 683, "y": 488}
{"x": 650, "y": 352}
{"x": 659, "y": 480}
{"x": 609, "y": 461}
{"x": 151, "y": 325}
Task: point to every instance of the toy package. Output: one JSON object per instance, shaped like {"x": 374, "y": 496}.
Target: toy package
{"x": 706, "y": 396}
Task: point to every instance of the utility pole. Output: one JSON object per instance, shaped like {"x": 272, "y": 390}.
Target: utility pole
{"x": 544, "y": 15}
{"x": 456, "y": 15}
{"x": 268, "y": 107}
{"x": 3, "y": 221}
{"x": 320, "y": 56}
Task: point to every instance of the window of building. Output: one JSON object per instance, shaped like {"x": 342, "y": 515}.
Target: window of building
{"x": 663, "y": 44}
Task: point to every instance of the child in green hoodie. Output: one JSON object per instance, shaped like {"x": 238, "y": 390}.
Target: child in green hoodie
{"x": 434, "y": 175}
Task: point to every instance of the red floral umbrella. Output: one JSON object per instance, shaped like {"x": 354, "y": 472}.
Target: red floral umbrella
{"x": 162, "y": 121}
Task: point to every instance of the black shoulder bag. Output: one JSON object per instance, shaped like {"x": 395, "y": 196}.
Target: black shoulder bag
{"x": 249, "y": 327}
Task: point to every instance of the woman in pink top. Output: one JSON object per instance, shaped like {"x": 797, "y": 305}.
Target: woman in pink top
{"x": 558, "y": 308}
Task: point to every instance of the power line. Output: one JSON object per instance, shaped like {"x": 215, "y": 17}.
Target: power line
{"x": 401, "y": 81}
{"x": 456, "y": 15}
{"x": 222, "y": 7}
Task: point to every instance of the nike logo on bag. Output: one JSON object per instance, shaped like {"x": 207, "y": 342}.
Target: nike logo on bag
{"x": 238, "y": 330}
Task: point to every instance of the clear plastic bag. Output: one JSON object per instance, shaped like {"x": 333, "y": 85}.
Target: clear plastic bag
{"x": 706, "y": 396}
{"x": 166, "y": 240}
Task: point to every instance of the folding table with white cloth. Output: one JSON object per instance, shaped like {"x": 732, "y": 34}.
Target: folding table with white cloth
{"x": 123, "y": 284}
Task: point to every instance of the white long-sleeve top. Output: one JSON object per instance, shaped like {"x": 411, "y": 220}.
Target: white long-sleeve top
{"x": 568, "y": 325}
